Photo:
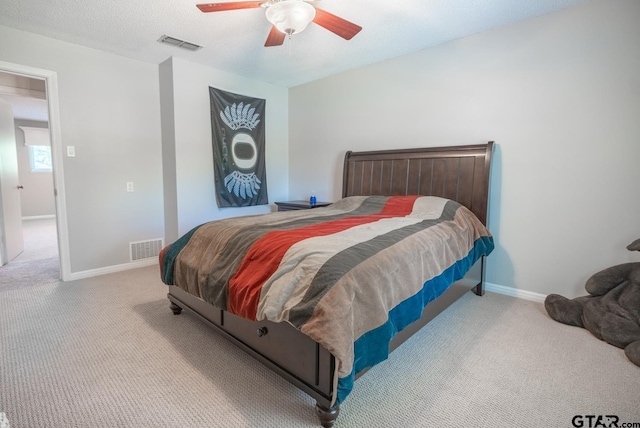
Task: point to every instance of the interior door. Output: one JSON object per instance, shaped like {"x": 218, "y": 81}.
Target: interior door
{"x": 11, "y": 238}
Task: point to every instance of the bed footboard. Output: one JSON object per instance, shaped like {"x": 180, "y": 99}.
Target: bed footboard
{"x": 279, "y": 346}
{"x": 296, "y": 357}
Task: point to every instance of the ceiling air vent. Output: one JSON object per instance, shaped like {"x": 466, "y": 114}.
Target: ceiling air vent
{"x": 179, "y": 43}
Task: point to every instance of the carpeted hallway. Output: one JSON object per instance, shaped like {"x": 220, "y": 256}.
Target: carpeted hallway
{"x": 108, "y": 352}
{"x": 39, "y": 263}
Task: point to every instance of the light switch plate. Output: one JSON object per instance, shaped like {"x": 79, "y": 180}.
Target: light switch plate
{"x": 71, "y": 151}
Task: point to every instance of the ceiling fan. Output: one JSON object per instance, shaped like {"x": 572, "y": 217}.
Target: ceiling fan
{"x": 289, "y": 17}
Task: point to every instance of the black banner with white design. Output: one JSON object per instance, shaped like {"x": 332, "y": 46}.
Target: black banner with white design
{"x": 237, "y": 127}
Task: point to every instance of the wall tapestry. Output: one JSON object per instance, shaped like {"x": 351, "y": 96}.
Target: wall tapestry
{"x": 237, "y": 127}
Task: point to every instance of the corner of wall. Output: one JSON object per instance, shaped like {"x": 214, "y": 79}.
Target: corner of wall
{"x": 167, "y": 124}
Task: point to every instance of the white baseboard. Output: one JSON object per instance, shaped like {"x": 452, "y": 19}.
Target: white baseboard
{"x": 514, "y": 292}
{"x": 112, "y": 269}
{"x": 38, "y": 217}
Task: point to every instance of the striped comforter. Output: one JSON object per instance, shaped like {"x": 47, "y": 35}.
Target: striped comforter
{"x": 350, "y": 276}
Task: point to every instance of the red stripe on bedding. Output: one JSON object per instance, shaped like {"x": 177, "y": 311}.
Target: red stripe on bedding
{"x": 397, "y": 206}
{"x": 264, "y": 257}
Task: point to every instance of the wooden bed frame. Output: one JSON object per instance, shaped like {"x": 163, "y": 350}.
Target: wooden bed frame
{"x": 460, "y": 173}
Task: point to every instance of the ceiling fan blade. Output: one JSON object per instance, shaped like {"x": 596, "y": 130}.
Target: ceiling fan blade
{"x": 221, "y": 7}
{"x": 335, "y": 24}
{"x": 275, "y": 37}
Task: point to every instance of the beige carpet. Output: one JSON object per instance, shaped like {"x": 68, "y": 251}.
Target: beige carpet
{"x": 39, "y": 262}
{"x": 108, "y": 352}
{"x": 40, "y": 240}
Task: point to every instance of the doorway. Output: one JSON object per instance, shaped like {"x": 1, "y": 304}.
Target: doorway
{"x": 36, "y": 106}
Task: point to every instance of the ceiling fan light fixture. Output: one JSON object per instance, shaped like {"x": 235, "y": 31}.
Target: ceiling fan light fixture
{"x": 291, "y": 16}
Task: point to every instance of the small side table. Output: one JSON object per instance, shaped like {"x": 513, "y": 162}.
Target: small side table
{"x": 299, "y": 205}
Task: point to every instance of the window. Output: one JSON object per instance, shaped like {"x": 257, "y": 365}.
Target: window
{"x": 37, "y": 139}
{"x": 40, "y": 158}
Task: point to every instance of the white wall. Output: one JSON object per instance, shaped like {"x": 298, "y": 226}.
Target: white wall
{"x": 110, "y": 111}
{"x": 187, "y": 143}
{"x": 560, "y": 95}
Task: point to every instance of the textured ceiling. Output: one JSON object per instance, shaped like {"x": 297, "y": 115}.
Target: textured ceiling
{"x": 234, "y": 40}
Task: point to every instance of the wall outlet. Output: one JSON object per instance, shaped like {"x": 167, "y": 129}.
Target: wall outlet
{"x": 129, "y": 186}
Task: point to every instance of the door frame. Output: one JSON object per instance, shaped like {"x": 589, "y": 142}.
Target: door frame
{"x": 51, "y": 82}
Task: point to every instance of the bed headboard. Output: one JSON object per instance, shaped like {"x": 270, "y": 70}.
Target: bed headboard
{"x": 460, "y": 173}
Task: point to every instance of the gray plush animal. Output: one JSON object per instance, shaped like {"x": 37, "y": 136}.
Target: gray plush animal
{"x": 611, "y": 312}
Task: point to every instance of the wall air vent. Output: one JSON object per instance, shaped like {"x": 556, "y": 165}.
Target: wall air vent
{"x": 145, "y": 249}
{"x": 179, "y": 43}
